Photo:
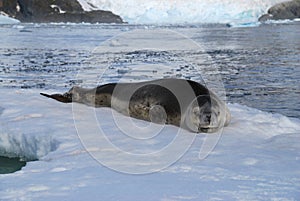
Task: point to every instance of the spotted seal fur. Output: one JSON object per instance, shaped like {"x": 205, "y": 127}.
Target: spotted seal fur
{"x": 183, "y": 103}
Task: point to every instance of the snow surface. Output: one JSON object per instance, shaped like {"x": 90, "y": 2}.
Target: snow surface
{"x": 256, "y": 158}
{"x": 182, "y": 11}
{"x": 7, "y": 20}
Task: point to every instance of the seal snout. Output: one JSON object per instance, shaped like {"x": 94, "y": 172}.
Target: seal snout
{"x": 207, "y": 118}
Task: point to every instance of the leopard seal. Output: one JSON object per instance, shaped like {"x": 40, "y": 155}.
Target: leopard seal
{"x": 183, "y": 103}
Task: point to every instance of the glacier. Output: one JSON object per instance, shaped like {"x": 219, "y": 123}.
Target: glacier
{"x": 182, "y": 11}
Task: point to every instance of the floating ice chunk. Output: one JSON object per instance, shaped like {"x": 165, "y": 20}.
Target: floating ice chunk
{"x": 7, "y": 20}
{"x": 57, "y": 8}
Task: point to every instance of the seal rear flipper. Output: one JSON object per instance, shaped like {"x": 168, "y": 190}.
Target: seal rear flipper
{"x": 59, "y": 97}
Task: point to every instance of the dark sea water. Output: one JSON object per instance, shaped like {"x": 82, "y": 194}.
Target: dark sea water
{"x": 10, "y": 165}
{"x": 260, "y": 66}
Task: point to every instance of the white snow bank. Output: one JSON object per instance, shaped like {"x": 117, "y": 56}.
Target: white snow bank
{"x": 27, "y": 147}
{"x": 7, "y": 20}
{"x": 256, "y": 158}
{"x": 22, "y": 131}
{"x": 182, "y": 11}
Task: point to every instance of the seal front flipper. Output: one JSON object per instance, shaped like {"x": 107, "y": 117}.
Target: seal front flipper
{"x": 59, "y": 97}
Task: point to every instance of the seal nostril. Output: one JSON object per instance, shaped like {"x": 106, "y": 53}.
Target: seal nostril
{"x": 207, "y": 117}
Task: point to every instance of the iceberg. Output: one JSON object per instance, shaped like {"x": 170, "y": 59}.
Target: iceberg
{"x": 257, "y": 157}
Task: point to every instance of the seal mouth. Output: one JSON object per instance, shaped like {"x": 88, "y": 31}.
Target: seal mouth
{"x": 203, "y": 130}
{"x": 208, "y": 129}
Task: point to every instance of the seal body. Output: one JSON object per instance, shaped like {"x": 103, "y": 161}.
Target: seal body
{"x": 179, "y": 102}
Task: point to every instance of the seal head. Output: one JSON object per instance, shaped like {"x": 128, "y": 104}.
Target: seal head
{"x": 207, "y": 114}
